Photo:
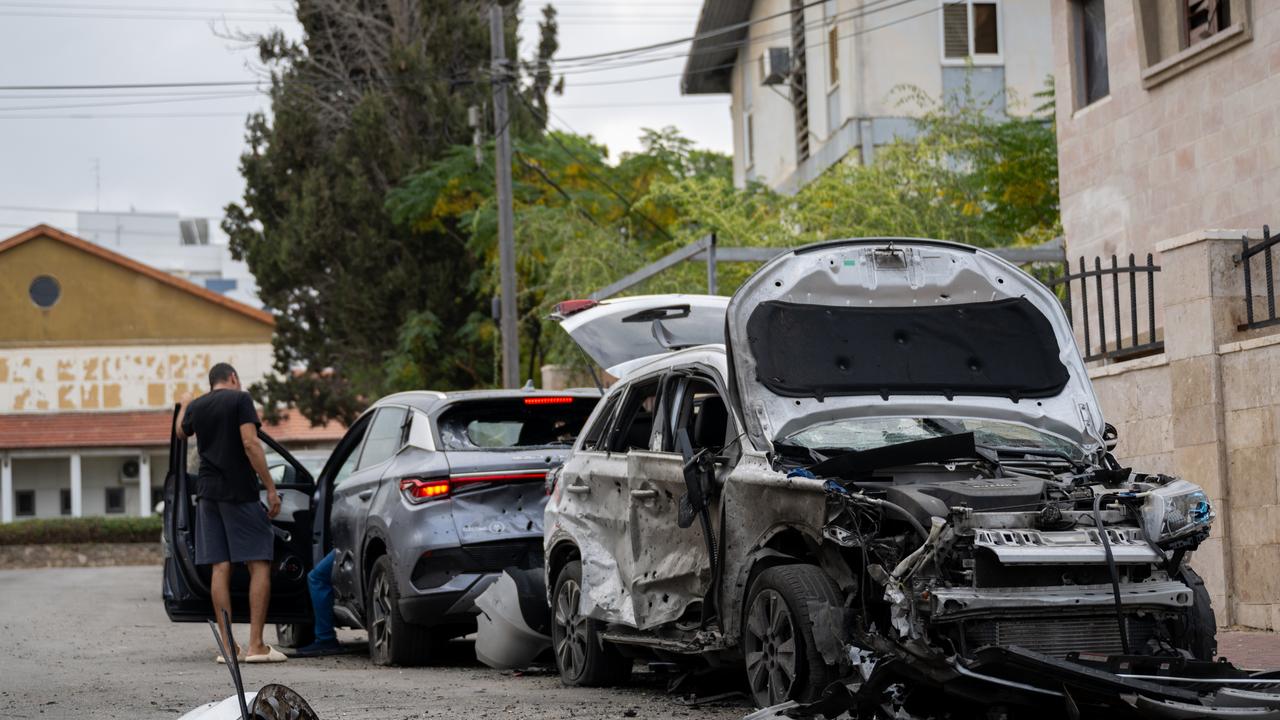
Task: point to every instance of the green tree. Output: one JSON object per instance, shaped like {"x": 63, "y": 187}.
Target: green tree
{"x": 374, "y": 90}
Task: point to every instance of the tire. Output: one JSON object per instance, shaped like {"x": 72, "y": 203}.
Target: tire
{"x": 295, "y": 635}
{"x": 781, "y": 659}
{"x": 1202, "y": 623}
{"x": 582, "y": 657}
{"x": 392, "y": 639}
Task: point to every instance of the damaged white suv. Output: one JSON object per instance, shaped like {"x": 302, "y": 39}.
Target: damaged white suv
{"x": 880, "y": 460}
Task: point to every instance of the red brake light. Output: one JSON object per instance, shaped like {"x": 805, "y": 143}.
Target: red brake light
{"x": 569, "y": 307}
{"x": 416, "y": 490}
{"x": 500, "y": 477}
{"x": 548, "y": 400}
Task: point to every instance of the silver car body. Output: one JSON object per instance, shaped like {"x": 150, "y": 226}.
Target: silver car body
{"x": 616, "y": 511}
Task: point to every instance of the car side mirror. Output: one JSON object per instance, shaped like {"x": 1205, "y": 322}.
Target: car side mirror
{"x": 283, "y": 474}
{"x": 1110, "y": 436}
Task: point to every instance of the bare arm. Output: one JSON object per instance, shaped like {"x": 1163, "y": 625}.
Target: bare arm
{"x": 183, "y": 402}
{"x": 258, "y": 459}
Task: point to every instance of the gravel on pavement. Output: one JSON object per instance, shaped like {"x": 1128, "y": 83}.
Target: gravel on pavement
{"x": 94, "y": 643}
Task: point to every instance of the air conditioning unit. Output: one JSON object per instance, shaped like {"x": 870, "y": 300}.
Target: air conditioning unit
{"x": 775, "y": 66}
{"x": 129, "y": 472}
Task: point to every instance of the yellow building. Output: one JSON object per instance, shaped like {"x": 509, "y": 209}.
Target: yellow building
{"x": 95, "y": 348}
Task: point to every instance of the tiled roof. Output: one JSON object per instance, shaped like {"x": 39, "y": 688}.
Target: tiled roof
{"x": 143, "y": 428}
{"x": 45, "y": 231}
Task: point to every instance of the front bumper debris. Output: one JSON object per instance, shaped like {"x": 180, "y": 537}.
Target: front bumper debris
{"x": 1021, "y": 683}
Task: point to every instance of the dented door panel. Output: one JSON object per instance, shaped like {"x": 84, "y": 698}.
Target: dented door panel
{"x": 672, "y": 569}
{"x": 591, "y": 510}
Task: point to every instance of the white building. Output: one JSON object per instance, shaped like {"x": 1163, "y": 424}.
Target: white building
{"x": 813, "y": 82}
{"x": 180, "y": 246}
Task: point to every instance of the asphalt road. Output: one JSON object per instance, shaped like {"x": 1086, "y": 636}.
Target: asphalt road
{"x": 95, "y": 643}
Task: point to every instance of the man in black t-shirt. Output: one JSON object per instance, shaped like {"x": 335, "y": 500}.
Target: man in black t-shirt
{"x": 231, "y": 524}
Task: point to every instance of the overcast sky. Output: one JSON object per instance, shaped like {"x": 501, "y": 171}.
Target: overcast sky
{"x": 177, "y": 150}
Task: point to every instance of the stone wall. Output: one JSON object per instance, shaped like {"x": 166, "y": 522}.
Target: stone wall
{"x": 1208, "y": 409}
{"x": 1147, "y": 163}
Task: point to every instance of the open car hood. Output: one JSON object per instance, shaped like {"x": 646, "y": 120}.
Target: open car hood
{"x": 904, "y": 328}
{"x": 623, "y": 333}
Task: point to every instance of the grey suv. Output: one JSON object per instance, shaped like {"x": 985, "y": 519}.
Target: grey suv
{"x": 428, "y": 497}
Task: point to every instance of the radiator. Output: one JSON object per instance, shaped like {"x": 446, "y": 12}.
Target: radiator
{"x": 1058, "y": 636}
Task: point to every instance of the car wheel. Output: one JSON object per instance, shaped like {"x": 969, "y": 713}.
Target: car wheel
{"x": 295, "y": 635}
{"x": 392, "y": 640}
{"x": 782, "y": 660}
{"x": 582, "y": 656}
{"x": 1202, "y": 624}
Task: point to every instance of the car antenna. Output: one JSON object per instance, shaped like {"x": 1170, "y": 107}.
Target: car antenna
{"x": 232, "y": 659}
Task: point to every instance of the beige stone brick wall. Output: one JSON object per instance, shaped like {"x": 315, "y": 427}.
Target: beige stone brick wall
{"x": 1201, "y": 150}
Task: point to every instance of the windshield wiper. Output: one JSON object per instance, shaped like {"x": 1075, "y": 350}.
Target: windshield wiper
{"x": 1034, "y": 451}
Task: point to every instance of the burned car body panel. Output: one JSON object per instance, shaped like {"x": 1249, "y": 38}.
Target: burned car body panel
{"x": 885, "y": 485}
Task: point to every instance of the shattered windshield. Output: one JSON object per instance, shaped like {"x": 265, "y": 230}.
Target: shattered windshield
{"x": 857, "y": 434}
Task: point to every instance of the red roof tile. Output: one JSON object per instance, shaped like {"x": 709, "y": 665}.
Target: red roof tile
{"x": 144, "y": 428}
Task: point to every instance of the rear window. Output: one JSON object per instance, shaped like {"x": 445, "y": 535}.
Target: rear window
{"x": 525, "y": 422}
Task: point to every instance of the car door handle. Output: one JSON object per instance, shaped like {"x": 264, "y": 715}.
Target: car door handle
{"x": 365, "y": 494}
{"x": 578, "y": 489}
{"x": 644, "y": 494}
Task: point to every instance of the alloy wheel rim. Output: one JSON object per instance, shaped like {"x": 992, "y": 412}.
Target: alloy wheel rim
{"x": 771, "y": 649}
{"x": 380, "y": 628}
{"x": 571, "y": 635}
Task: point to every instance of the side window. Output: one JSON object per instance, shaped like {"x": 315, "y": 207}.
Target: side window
{"x": 386, "y": 434}
{"x": 593, "y": 438}
{"x": 348, "y": 461}
{"x": 634, "y": 425}
{"x": 701, "y": 410}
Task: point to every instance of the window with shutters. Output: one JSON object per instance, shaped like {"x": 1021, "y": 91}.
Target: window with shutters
{"x": 1089, "y": 51}
{"x": 1176, "y": 35}
{"x": 971, "y": 32}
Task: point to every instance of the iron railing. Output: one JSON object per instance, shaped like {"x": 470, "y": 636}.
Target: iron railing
{"x": 1246, "y": 253}
{"x": 1117, "y": 347}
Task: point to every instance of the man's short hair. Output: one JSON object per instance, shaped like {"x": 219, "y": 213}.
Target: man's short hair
{"x": 221, "y": 372}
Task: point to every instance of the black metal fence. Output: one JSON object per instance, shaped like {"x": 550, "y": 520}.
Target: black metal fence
{"x": 1093, "y": 306}
{"x": 1246, "y": 254}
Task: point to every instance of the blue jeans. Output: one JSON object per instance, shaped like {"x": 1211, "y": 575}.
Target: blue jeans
{"x": 320, "y": 580}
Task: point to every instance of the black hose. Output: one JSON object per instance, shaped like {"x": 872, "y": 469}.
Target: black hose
{"x": 905, "y": 515}
{"x": 1111, "y": 568}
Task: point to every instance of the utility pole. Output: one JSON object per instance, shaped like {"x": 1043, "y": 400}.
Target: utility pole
{"x": 506, "y": 220}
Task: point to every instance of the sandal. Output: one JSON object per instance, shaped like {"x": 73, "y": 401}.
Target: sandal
{"x": 272, "y": 656}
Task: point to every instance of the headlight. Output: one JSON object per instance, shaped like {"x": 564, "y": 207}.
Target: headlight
{"x": 1176, "y": 510}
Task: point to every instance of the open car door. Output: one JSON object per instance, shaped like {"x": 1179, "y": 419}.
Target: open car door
{"x": 186, "y": 585}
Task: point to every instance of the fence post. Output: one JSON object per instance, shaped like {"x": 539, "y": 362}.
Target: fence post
{"x": 712, "y": 285}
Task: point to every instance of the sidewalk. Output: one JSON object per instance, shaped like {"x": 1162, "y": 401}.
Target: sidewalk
{"x": 1250, "y": 649}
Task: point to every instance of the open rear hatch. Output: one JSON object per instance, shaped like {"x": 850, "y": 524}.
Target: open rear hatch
{"x": 623, "y": 333}
{"x": 904, "y": 328}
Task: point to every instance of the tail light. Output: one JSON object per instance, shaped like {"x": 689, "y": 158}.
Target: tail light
{"x": 420, "y": 490}
{"x": 570, "y": 307}
{"x": 548, "y": 400}
{"x": 417, "y": 490}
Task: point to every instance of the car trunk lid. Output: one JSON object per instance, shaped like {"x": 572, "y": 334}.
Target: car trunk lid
{"x": 621, "y": 333}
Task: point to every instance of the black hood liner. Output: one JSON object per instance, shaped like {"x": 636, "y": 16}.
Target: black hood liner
{"x": 1003, "y": 348}
{"x": 864, "y": 462}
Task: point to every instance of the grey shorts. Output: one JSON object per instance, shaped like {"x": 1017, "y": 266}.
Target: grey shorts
{"x": 232, "y": 532}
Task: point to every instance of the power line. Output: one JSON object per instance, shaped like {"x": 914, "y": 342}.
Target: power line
{"x": 132, "y": 86}
{"x": 156, "y": 101}
{"x": 109, "y": 116}
{"x": 697, "y": 36}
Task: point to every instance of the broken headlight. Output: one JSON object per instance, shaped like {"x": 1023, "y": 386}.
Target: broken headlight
{"x": 1176, "y": 510}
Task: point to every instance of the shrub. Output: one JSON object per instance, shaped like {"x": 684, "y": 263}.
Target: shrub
{"x": 82, "y": 530}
